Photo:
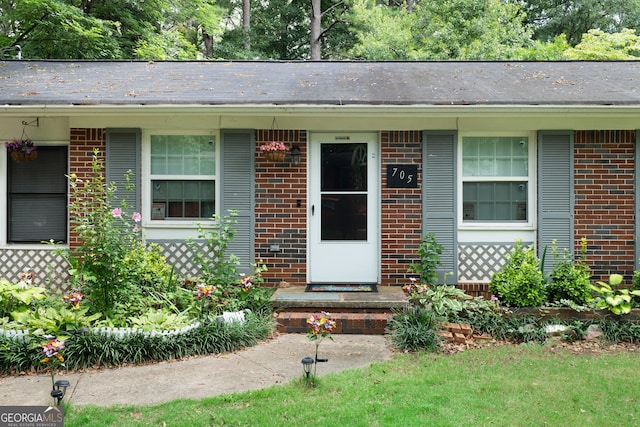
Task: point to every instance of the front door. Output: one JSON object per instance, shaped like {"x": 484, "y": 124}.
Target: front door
{"x": 344, "y": 209}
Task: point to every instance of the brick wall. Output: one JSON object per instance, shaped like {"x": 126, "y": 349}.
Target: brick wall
{"x": 604, "y": 200}
{"x": 401, "y": 208}
{"x": 82, "y": 142}
{"x": 281, "y": 210}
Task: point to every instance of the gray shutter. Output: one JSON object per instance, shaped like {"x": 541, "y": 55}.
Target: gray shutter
{"x": 555, "y": 191}
{"x": 123, "y": 155}
{"x": 237, "y": 183}
{"x": 439, "y": 196}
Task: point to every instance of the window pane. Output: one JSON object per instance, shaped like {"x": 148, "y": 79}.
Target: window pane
{"x": 344, "y": 217}
{"x": 182, "y": 199}
{"x": 344, "y": 167}
{"x": 183, "y": 155}
{"x": 495, "y": 156}
{"x": 494, "y": 201}
{"x": 37, "y": 197}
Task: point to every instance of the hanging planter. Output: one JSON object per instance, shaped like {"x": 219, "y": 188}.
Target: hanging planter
{"x": 274, "y": 151}
{"x": 22, "y": 150}
{"x": 21, "y": 156}
{"x": 274, "y": 156}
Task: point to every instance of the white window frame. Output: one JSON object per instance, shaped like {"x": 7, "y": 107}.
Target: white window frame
{"x": 528, "y": 225}
{"x": 4, "y": 195}
{"x": 173, "y": 224}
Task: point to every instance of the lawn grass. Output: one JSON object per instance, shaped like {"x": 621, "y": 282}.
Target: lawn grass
{"x": 530, "y": 385}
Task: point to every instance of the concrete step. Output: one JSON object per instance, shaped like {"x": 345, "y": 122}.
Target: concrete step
{"x": 346, "y": 322}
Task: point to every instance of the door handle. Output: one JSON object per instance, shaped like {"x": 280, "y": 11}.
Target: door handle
{"x": 313, "y": 209}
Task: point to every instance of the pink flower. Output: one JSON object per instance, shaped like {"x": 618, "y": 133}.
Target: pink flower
{"x": 135, "y": 228}
{"x": 137, "y": 217}
{"x": 117, "y": 213}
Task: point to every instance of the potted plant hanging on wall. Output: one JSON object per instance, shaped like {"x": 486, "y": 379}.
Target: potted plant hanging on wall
{"x": 274, "y": 151}
{"x": 22, "y": 149}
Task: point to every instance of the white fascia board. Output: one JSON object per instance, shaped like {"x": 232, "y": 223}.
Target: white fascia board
{"x": 302, "y": 109}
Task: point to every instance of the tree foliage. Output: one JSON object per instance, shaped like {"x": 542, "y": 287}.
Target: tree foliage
{"x": 101, "y": 29}
{"x": 573, "y": 18}
{"x": 447, "y": 29}
{"x": 346, "y": 29}
{"x": 600, "y": 46}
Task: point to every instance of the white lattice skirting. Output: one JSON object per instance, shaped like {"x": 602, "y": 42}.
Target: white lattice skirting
{"x": 52, "y": 270}
{"x": 49, "y": 268}
{"x": 478, "y": 262}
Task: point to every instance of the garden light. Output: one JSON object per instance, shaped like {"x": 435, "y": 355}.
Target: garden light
{"x": 307, "y": 362}
{"x": 59, "y": 389}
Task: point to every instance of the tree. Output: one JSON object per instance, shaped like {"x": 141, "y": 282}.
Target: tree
{"x": 447, "y": 29}
{"x": 54, "y": 29}
{"x": 600, "y": 46}
{"x": 550, "y": 18}
{"x": 73, "y": 29}
{"x": 282, "y": 29}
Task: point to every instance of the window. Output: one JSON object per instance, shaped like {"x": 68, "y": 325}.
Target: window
{"x": 495, "y": 179}
{"x": 37, "y": 197}
{"x": 183, "y": 173}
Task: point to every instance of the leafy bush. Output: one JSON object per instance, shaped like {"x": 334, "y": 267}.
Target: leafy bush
{"x": 217, "y": 267}
{"x": 18, "y": 296}
{"x": 569, "y": 280}
{"x": 613, "y": 295}
{"x": 519, "y": 282}
{"x": 429, "y": 252}
{"x": 415, "y": 329}
{"x": 111, "y": 266}
{"x": 53, "y": 320}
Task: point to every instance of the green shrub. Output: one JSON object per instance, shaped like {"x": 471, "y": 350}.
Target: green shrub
{"x": 111, "y": 266}
{"x": 217, "y": 267}
{"x": 519, "y": 282}
{"x": 569, "y": 280}
{"x": 18, "y": 296}
{"x": 613, "y": 295}
{"x": 429, "y": 252}
{"x": 415, "y": 329}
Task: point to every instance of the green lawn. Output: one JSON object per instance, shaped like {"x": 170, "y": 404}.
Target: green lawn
{"x": 496, "y": 386}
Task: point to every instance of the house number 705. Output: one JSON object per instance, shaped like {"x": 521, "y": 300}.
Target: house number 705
{"x": 402, "y": 176}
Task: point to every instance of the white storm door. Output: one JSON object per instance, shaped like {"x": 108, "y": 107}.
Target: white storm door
{"x": 344, "y": 233}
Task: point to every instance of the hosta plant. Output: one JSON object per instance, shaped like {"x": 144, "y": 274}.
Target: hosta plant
{"x": 613, "y": 296}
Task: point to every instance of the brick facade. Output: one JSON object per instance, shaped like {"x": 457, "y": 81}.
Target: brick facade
{"x": 82, "y": 143}
{"x": 281, "y": 210}
{"x": 604, "y": 203}
{"x": 401, "y": 208}
{"x": 604, "y": 200}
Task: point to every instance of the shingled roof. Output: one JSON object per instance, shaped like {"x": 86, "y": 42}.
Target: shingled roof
{"x": 61, "y": 83}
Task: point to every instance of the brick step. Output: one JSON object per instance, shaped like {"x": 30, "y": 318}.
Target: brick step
{"x": 346, "y": 322}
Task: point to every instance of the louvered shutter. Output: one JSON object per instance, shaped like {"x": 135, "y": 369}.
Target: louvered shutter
{"x": 555, "y": 191}
{"x": 237, "y": 184}
{"x": 122, "y": 156}
{"x": 439, "y": 196}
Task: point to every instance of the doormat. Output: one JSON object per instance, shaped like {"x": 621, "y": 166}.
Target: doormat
{"x": 342, "y": 288}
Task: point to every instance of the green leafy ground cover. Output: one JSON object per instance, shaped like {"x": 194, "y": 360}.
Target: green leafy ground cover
{"x": 528, "y": 385}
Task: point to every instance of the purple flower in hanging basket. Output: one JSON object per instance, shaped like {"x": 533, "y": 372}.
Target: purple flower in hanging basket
{"x": 24, "y": 145}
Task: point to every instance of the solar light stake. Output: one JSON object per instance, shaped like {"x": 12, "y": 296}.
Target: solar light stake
{"x": 59, "y": 389}
{"x": 307, "y": 362}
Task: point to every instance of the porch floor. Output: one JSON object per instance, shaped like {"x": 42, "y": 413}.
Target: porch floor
{"x": 354, "y": 312}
